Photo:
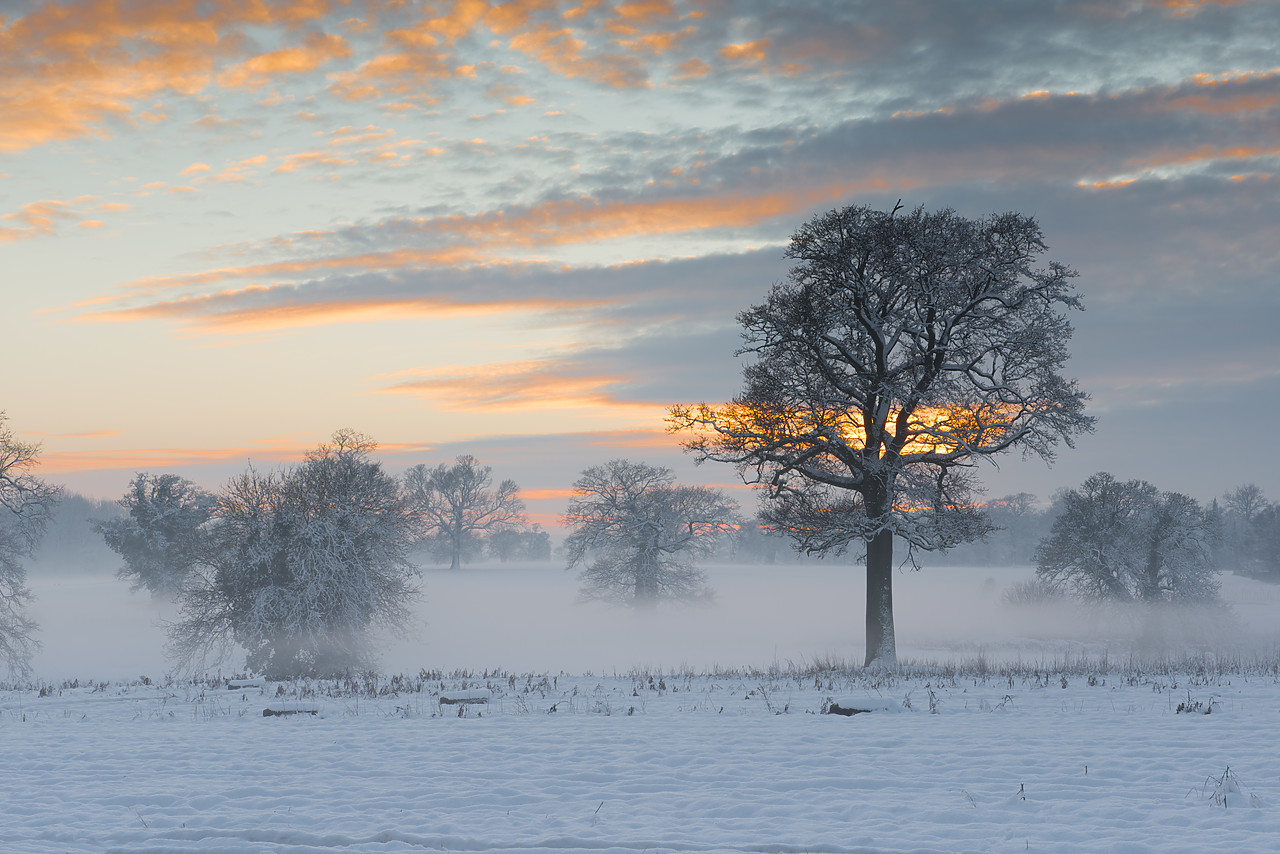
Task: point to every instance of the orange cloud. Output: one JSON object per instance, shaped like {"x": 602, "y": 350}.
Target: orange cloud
{"x": 87, "y": 434}
{"x": 460, "y": 21}
{"x": 515, "y": 386}
{"x": 1207, "y": 153}
{"x": 515, "y": 14}
{"x": 92, "y": 224}
{"x": 66, "y": 68}
{"x": 143, "y": 459}
{"x": 38, "y": 219}
{"x": 692, "y": 69}
{"x": 294, "y": 162}
{"x": 655, "y": 44}
{"x": 641, "y": 13}
{"x": 1107, "y": 185}
{"x": 236, "y": 172}
{"x": 1190, "y": 7}
{"x": 747, "y": 52}
{"x": 278, "y": 449}
{"x": 485, "y": 239}
{"x": 316, "y": 50}
{"x": 251, "y": 310}
{"x": 546, "y": 494}
{"x": 348, "y": 135}
{"x": 402, "y": 73}
{"x": 626, "y": 440}
{"x": 560, "y": 50}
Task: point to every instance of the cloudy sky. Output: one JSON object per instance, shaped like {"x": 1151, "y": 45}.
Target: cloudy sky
{"x": 521, "y": 230}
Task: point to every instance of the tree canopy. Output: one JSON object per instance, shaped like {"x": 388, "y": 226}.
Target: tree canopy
{"x": 456, "y": 506}
{"x": 1128, "y": 541}
{"x": 637, "y": 532}
{"x": 300, "y": 564}
{"x": 161, "y": 537}
{"x": 900, "y": 348}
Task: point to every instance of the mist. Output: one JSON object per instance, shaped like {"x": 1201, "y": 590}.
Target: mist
{"x": 531, "y": 619}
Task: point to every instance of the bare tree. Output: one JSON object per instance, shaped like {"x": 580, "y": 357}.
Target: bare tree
{"x": 1128, "y": 541}
{"x": 300, "y": 566}
{"x": 525, "y": 544}
{"x": 457, "y": 507}
{"x": 639, "y": 532}
{"x": 26, "y": 503}
{"x": 1244, "y": 546}
{"x": 1246, "y": 501}
{"x": 899, "y": 349}
{"x": 161, "y": 537}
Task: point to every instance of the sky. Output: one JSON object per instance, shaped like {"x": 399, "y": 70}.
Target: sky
{"x": 522, "y": 230}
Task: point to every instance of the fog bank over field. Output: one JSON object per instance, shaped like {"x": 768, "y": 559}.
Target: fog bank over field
{"x": 531, "y": 619}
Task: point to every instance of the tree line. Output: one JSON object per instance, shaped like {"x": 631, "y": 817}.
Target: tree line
{"x": 902, "y": 348}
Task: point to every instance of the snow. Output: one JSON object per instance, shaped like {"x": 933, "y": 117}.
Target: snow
{"x": 636, "y": 743}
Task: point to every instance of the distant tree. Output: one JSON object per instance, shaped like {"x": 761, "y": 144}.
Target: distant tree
{"x": 1265, "y": 542}
{"x": 457, "y": 508}
{"x": 525, "y": 544}
{"x": 300, "y": 565}
{"x": 161, "y": 538}
{"x": 26, "y": 503}
{"x": 73, "y": 542}
{"x": 900, "y": 349}
{"x": 637, "y": 532}
{"x": 754, "y": 541}
{"x": 1246, "y": 501}
{"x": 1244, "y": 537}
{"x": 1017, "y": 527}
{"x": 1128, "y": 541}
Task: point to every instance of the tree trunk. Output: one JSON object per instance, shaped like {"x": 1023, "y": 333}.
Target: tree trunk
{"x": 646, "y": 582}
{"x": 456, "y": 562}
{"x": 882, "y": 650}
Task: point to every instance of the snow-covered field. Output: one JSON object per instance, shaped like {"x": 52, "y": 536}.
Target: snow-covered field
{"x": 698, "y": 729}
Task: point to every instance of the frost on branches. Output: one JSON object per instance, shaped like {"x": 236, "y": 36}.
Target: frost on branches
{"x": 637, "y": 533}
{"x": 161, "y": 537}
{"x": 300, "y": 565}
{"x": 1128, "y": 541}
{"x": 899, "y": 349}
{"x": 25, "y": 505}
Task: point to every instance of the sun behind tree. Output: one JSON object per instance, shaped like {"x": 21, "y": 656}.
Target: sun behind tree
{"x": 899, "y": 348}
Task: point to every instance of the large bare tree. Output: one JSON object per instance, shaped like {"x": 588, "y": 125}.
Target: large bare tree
{"x": 901, "y": 347}
{"x": 26, "y": 502}
{"x": 457, "y": 507}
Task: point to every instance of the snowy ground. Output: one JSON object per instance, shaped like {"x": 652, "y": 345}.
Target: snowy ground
{"x": 604, "y": 732}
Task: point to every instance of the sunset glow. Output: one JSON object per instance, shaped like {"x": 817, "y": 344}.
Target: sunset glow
{"x": 523, "y": 229}
{"x": 926, "y": 431}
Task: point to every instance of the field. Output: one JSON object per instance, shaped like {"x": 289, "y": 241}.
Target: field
{"x": 693, "y": 729}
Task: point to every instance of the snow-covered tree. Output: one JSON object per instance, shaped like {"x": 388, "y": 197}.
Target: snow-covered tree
{"x": 637, "y": 532}
{"x": 899, "y": 349}
{"x": 161, "y": 537}
{"x": 1264, "y": 542}
{"x": 525, "y": 544}
{"x": 26, "y": 502}
{"x": 457, "y": 508}
{"x": 1128, "y": 541}
{"x": 301, "y": 564}
{"x": 1245, "y": 545}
